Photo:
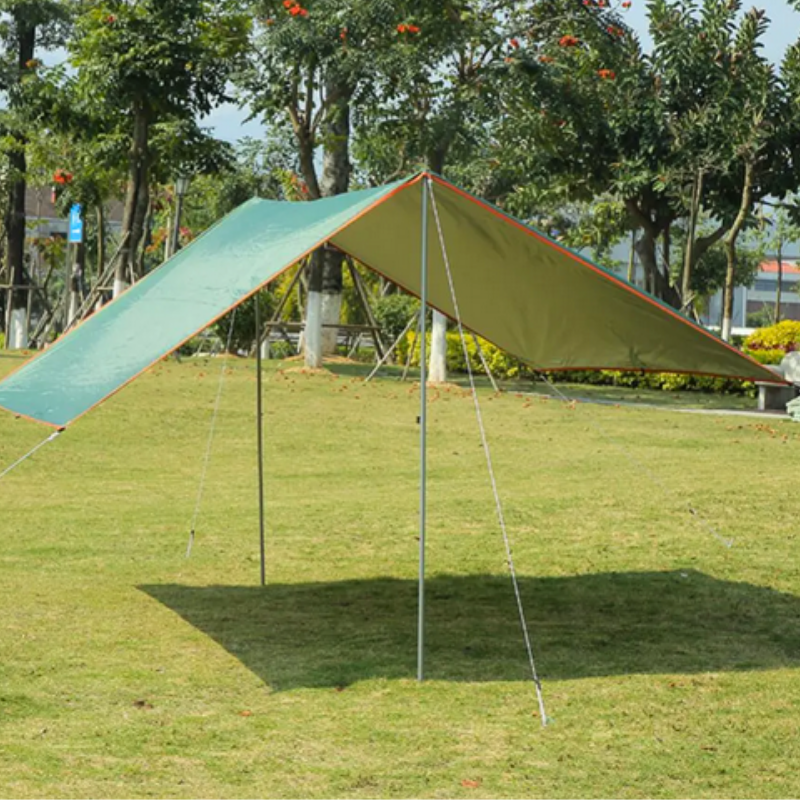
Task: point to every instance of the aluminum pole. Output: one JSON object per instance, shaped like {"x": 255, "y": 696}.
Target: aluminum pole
{"x": 423, "y": 443}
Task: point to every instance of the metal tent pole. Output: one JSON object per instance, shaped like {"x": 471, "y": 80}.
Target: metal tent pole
{"x": 260, "y": 440}
{"x": 423, "y": 420}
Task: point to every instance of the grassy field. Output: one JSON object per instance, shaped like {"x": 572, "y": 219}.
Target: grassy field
{"x": 670, "y": 662}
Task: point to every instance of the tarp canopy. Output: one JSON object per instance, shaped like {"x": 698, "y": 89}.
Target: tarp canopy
{"x": 515, "y": 287}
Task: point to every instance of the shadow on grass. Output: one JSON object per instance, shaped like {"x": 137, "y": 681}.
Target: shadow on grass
{"x": 334, "y": 634}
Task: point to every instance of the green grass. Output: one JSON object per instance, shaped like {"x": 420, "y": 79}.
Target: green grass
{"x": 670, "y": 662}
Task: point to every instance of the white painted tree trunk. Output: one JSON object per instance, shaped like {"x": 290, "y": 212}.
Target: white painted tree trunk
{"x": 119, "y": 287}
{"x": 437, "y": 368}
{"x": 18, "y": 330}
{"x": 331, "y": 310}
{"x": 312, "y": 343}
{"x": 726, "y": 328}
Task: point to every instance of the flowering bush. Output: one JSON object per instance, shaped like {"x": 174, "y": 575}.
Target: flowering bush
{"x": 769, "y": 356}
{"x": 783, "y": 337}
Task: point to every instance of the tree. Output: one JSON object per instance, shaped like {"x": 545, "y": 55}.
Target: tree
{"x": 25, "y": 27}
{"x": 149, "y": 62}
{"x": 438, "y": 110}
{"x": 583, "y": 118}
{"x": 664, "y": 135}
{"x": 315, "y": 67}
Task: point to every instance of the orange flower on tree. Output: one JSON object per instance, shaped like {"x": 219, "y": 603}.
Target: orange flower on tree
{"x": 294, "y": 8}
{"x": 514, "y": 43}
{"x": 626, "y": 4}
{"x": 607, "y": 74}
{"x": 62, "y": 177}
{"x": 546, "y": 59}
{"x": 568, "y": 41}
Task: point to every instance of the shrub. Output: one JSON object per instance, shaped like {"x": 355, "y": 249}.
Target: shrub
{"x": 281, "y": 349}
{"x": 503, "y": 365}
{"x": 785, "y": 336}
{"x": 774, "y": 356}
{"x": 500, "y": 363}
{"x": 244, "y": 321}
{"x": 392, "y": 312}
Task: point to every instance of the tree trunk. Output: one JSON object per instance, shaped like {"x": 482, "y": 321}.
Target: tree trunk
{"x": 331, "y": 310}
{"x": 688, "y": 260}
{"x": 325, "y": 271}
{"x": 779, "y": 286}
{"x": 312, "y": 333}
{"x": 142, "y": 225}
{"x": 632, "y": 259}
{"x": 666, "y": 249}
{"x": 133, "y": 218}
{"x": 17, "y": 334}
{"x": 645, "y": 247}
{"x": 730, "y": 251}
{"x": 656, "y": 282}
{"x": 437, "y": 365}
{"x": 308, "y": 168}
{"x": 101, "y": 241}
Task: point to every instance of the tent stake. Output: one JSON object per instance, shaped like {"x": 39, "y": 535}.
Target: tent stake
{"x": 423, "y": 420}
{"x": 260, "y": 440}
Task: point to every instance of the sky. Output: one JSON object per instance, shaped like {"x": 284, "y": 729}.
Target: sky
{"x": 228, "y": 121}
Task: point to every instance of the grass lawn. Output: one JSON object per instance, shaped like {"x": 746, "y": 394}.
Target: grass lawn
{"x": 670, "y": 662}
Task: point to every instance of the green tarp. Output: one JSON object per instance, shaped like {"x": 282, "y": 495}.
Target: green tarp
{"x": 515, "y": 287}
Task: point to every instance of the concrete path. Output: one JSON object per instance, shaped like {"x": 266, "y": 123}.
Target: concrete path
{"x": 724, "y": 412}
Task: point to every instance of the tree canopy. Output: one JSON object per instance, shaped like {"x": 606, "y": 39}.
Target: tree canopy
{"x": 553, "y": 109}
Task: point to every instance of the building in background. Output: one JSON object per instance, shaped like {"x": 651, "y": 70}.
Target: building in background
{"x": 44, "y": 219}
{"x": 755, "y": 306}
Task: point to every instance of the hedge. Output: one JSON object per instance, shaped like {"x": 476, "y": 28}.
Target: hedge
{"x": 503, "y": 365}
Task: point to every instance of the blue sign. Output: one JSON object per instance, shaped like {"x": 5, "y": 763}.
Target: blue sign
{"x": 75, "y": 225}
